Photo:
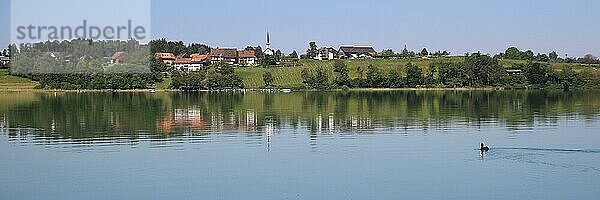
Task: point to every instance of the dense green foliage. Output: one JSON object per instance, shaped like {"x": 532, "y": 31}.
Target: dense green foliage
{"x": 515, "y": 54}
{"x": 87, "y": 64}
{"x": 317, "y": 79}
{"x": 220, "y": 76}
{"x": 414, "y": 76}
{"x": 268, "y": 79}
{"x": 475, "y": 70}
{"x": 177, "y": 48}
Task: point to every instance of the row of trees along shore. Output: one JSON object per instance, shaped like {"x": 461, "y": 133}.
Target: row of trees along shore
{"x": 86, "y": 67}
{"x": 475, "y": 70}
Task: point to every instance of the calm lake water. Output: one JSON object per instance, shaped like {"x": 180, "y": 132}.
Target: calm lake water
{"x": 300, "y": 145}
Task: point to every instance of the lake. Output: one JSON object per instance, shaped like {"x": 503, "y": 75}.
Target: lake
{"x": 300, "y": 145}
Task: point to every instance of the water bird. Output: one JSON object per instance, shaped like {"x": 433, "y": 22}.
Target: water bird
{"x": 484, "y": 148}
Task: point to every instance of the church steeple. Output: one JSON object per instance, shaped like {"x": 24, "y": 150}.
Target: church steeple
{"x": 268, "y": 50}
{"x": 268, "y": 40}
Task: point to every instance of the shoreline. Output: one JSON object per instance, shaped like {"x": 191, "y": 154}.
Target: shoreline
{"x": 275, "y": 90}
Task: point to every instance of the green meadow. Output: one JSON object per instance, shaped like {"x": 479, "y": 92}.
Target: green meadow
{"x": 289, "y": 77}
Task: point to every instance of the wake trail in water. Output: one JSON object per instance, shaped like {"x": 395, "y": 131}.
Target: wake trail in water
{"x": 551, "y": 150}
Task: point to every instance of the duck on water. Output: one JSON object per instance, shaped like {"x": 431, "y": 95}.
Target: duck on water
{"x": 483, "y": 147}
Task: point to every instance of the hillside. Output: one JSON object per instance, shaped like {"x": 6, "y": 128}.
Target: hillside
{"x": 289, "y": 77}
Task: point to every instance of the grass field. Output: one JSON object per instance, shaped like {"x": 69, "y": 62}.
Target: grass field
{"x": 8, "y": 82}
{"x": 289, "y": 77}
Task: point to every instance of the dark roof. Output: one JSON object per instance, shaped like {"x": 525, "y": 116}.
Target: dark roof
{"x": 357, "y": 50}
{"x": 225, "y": 53}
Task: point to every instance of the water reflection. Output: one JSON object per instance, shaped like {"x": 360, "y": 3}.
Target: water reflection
{"x": 128, "y": 118}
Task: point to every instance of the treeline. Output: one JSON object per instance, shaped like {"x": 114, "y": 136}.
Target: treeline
{"x": 115, "y": 77}
{"x": 475, "y": 70}
{"x": 220, "y": 76}
{"x": 177, "y": 47}
{"x": 87, "y": 64}
{"x": 515, "y": 54}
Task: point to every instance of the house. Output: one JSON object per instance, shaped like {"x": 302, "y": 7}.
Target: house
{"x": 246, "y": 57}
{"x": 4, "y": 60}
{"x": 60, "y": 56}
{"x": 167, "y": 58}
{"x": 354, "y": 52}
{"x": 194, "y": 63}
{"x": 326, "y": 53}
{"x": 117, "y": 58}
{"x": 228, "y": 55}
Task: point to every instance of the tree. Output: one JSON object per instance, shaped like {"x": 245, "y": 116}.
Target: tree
{"x": 394, "y": 79}
{"x": 430, "y": 75}
{"x": 414, "y": 76}
{"x": 424, "y": 52}
{"x": 359, "y": 82}
{"x": 388, "y": 53}
{"x": 258, "y": 52}
{"x": 553, "y": 55}
{"x": 569, "y": 78}
{"x": 537, "y": 73}
{"x": 311, "y": 52}
{"x": 342, "y": 78}
{"x": 483, "y": 69}
{"x": 268, "y": 79}
{"x": 527, "y": 55}
{"x": 269, "y": 60}
{"x": 318, "y": 80}
{"x": 512, "y": 53}
{"x": 452, "y": 74}
{"x": 589, "y": 59}
{"x": 542, "y": 57}
{"x": 374, "y": 77}
{"x": 293, "y": 55}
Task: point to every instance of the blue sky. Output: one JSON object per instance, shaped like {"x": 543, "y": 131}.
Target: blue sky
{"x": 459, "y": 26}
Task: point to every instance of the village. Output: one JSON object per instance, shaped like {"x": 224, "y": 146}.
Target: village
{"x": 249, "y": 57}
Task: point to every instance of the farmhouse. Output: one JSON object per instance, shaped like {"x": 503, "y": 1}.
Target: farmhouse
{"x": 117, "y": 58}
{"x": 354, "y": 52}
{"x": 193, "y": 63}
{"x": 228, "y": 55}
{"x": 246, "y": 57}
{"x": 326, "y": 53}
{"x": 167, "y": 58}
{"x": 4, "y": 60}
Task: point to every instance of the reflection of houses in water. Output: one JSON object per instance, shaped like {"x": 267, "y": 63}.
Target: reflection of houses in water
{"x": 250, "y": 120}
{"x": 328, "y": 125}
{"x": 182, "y": 117}
{"x": 4, "y": 122}
{"x": 216, "y": 121}
{"x": 358, "y": 122}
{"x": 189, "y": 117}
{"x": 115, "y": 121}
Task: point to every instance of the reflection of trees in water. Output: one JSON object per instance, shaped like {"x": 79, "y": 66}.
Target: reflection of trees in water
{"x": 159, "y": 115}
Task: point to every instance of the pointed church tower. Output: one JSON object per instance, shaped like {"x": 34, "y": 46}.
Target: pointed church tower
{"x": 268, "y": 41}
{"x": 268, "y": 50}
